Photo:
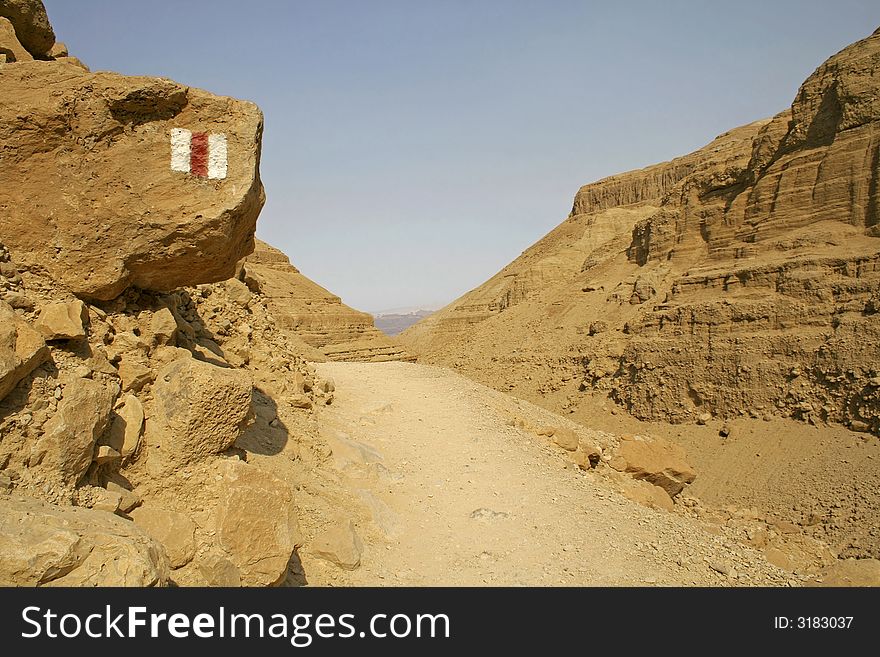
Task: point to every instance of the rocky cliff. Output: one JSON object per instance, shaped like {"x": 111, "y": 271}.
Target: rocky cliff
{"x": 306, "y": 311}
{"x": 741, "y": 279}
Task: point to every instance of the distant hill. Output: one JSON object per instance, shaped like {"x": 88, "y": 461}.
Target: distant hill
{"x": 395, "y": 323}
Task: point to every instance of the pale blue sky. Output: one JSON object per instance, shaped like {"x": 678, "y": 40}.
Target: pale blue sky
{"x": 413, "y": 148}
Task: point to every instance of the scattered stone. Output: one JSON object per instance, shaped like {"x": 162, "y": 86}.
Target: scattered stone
{"x": 703, "y": 418}
{"x": 720, "y": 567}
{"x": 69, "y": 436}
{"x": 655, "y": 460}
{"x": 340, "y": 545}
{"x": 134, "y": 375}
{"x": 63, "y": 320}
{"x": 200, "y": 408}
{"x": 126, "y": 428}
{"x": 649, "y": 495}
{"x": 255, "y": 522}
{"x": 105, "y": 500}
{"x": 58, "y": 50}
{"x": 724, "y": 432}
{"x": 43, "y": 544}
{"x": 566, "y": 438}
{"x": 175, "y": 531}
{"x": 105, "y": 454}
{"x": 779, "y": 558}
{"x": 218, "y": 570}
{"x": 488, "y": 514}
{"x": 163, "y": 328}
{"x": 22, "y": 349}
{"x": 128, "y": 500}
{"x": 10, "y": 46}
{"x": 238, "y": 292}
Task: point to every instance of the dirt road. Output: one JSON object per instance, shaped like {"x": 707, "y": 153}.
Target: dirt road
{"x": 451, "y": 494}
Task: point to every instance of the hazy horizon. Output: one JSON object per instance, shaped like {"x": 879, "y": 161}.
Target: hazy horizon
{"x": 411, "y": 150}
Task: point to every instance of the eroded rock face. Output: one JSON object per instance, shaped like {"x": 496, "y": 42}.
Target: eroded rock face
{"x": 46, "y": 545}
{"x": 741, "y": 279}
{"x": 111, "y": 181}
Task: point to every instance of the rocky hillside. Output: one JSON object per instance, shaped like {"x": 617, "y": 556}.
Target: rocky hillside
{"x": 327, "y": 328}
{"x": 739, "y": 280}
{"x": 154, "y": 420}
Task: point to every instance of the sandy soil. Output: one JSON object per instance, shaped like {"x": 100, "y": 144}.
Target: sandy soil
{"x": 451, "y": 494}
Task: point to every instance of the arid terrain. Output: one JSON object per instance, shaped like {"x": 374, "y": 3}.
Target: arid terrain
{"x": 677, "y": 386}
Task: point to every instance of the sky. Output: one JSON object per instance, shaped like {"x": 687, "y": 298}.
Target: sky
{"x": 412, "y": 148}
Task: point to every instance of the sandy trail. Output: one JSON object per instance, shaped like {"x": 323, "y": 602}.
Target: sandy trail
{"x": 453, "y": 495}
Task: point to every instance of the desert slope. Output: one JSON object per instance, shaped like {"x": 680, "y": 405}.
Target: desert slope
{"x": 313, "y": 316}
{"x": 739, "y": 280}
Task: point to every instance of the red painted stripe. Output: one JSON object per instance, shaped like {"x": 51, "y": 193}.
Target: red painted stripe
{"x": 198, "y": 158}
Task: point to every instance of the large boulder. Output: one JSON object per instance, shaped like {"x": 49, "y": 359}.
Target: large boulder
{"x": 201, "y": 408}
{"x": 175, "y": 531}
{"x": 67, "y": 445}
{"x": 256, "y": 522}
{"x": 31, "y": 24}
{"x": 10, "y": 46}
{"x": 111, "y": 181}
{"x": 22, "y": 349}
{"x": 42, "y": 544}
{"x": 63, "y": 320}
{"x": 656, "y": 461}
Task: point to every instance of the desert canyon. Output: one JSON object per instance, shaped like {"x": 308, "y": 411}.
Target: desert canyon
{"x": 679, "y": 385}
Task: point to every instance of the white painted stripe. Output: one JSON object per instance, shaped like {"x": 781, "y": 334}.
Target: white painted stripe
{"x": 180, "y": 149}
{"x": 217, "y": 156}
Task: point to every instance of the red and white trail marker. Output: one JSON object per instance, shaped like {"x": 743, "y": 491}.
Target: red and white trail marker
{"x": 202, "y": 154}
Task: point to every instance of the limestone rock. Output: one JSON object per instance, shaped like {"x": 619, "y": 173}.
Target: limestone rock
{"x": 175, "y": 531}
{"x": 163, "y": 328}
{"x": 22, "y": 349}
{"x": 853, "y": 572}
{"x": 134, "y": 374}
{"x": 340, "y": 545}
{"x": 10, "y": 45}
{"x": 105, "y": 454}
{"x": 69, "y": 436}
{"x": 126, "y": 428}
{"x": 31, "y": 24}
{"x": 92, "y": 196}
{"x": 238, "y": 292}
{"x": 218, "y": 570}
{"x": 58, "y": 50}
{"x": 104, "y": 500}
{"x": 566, "y": 438}
{"x": 256, "y": 522}
{"x": 43, "y": 544}
{"x": 128, "y": 499}
{"x": 647, "y": 494}
{"x": 657, "y": 461}
{"x": 200, "y": 408}
{"x": 63, "y": 321}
